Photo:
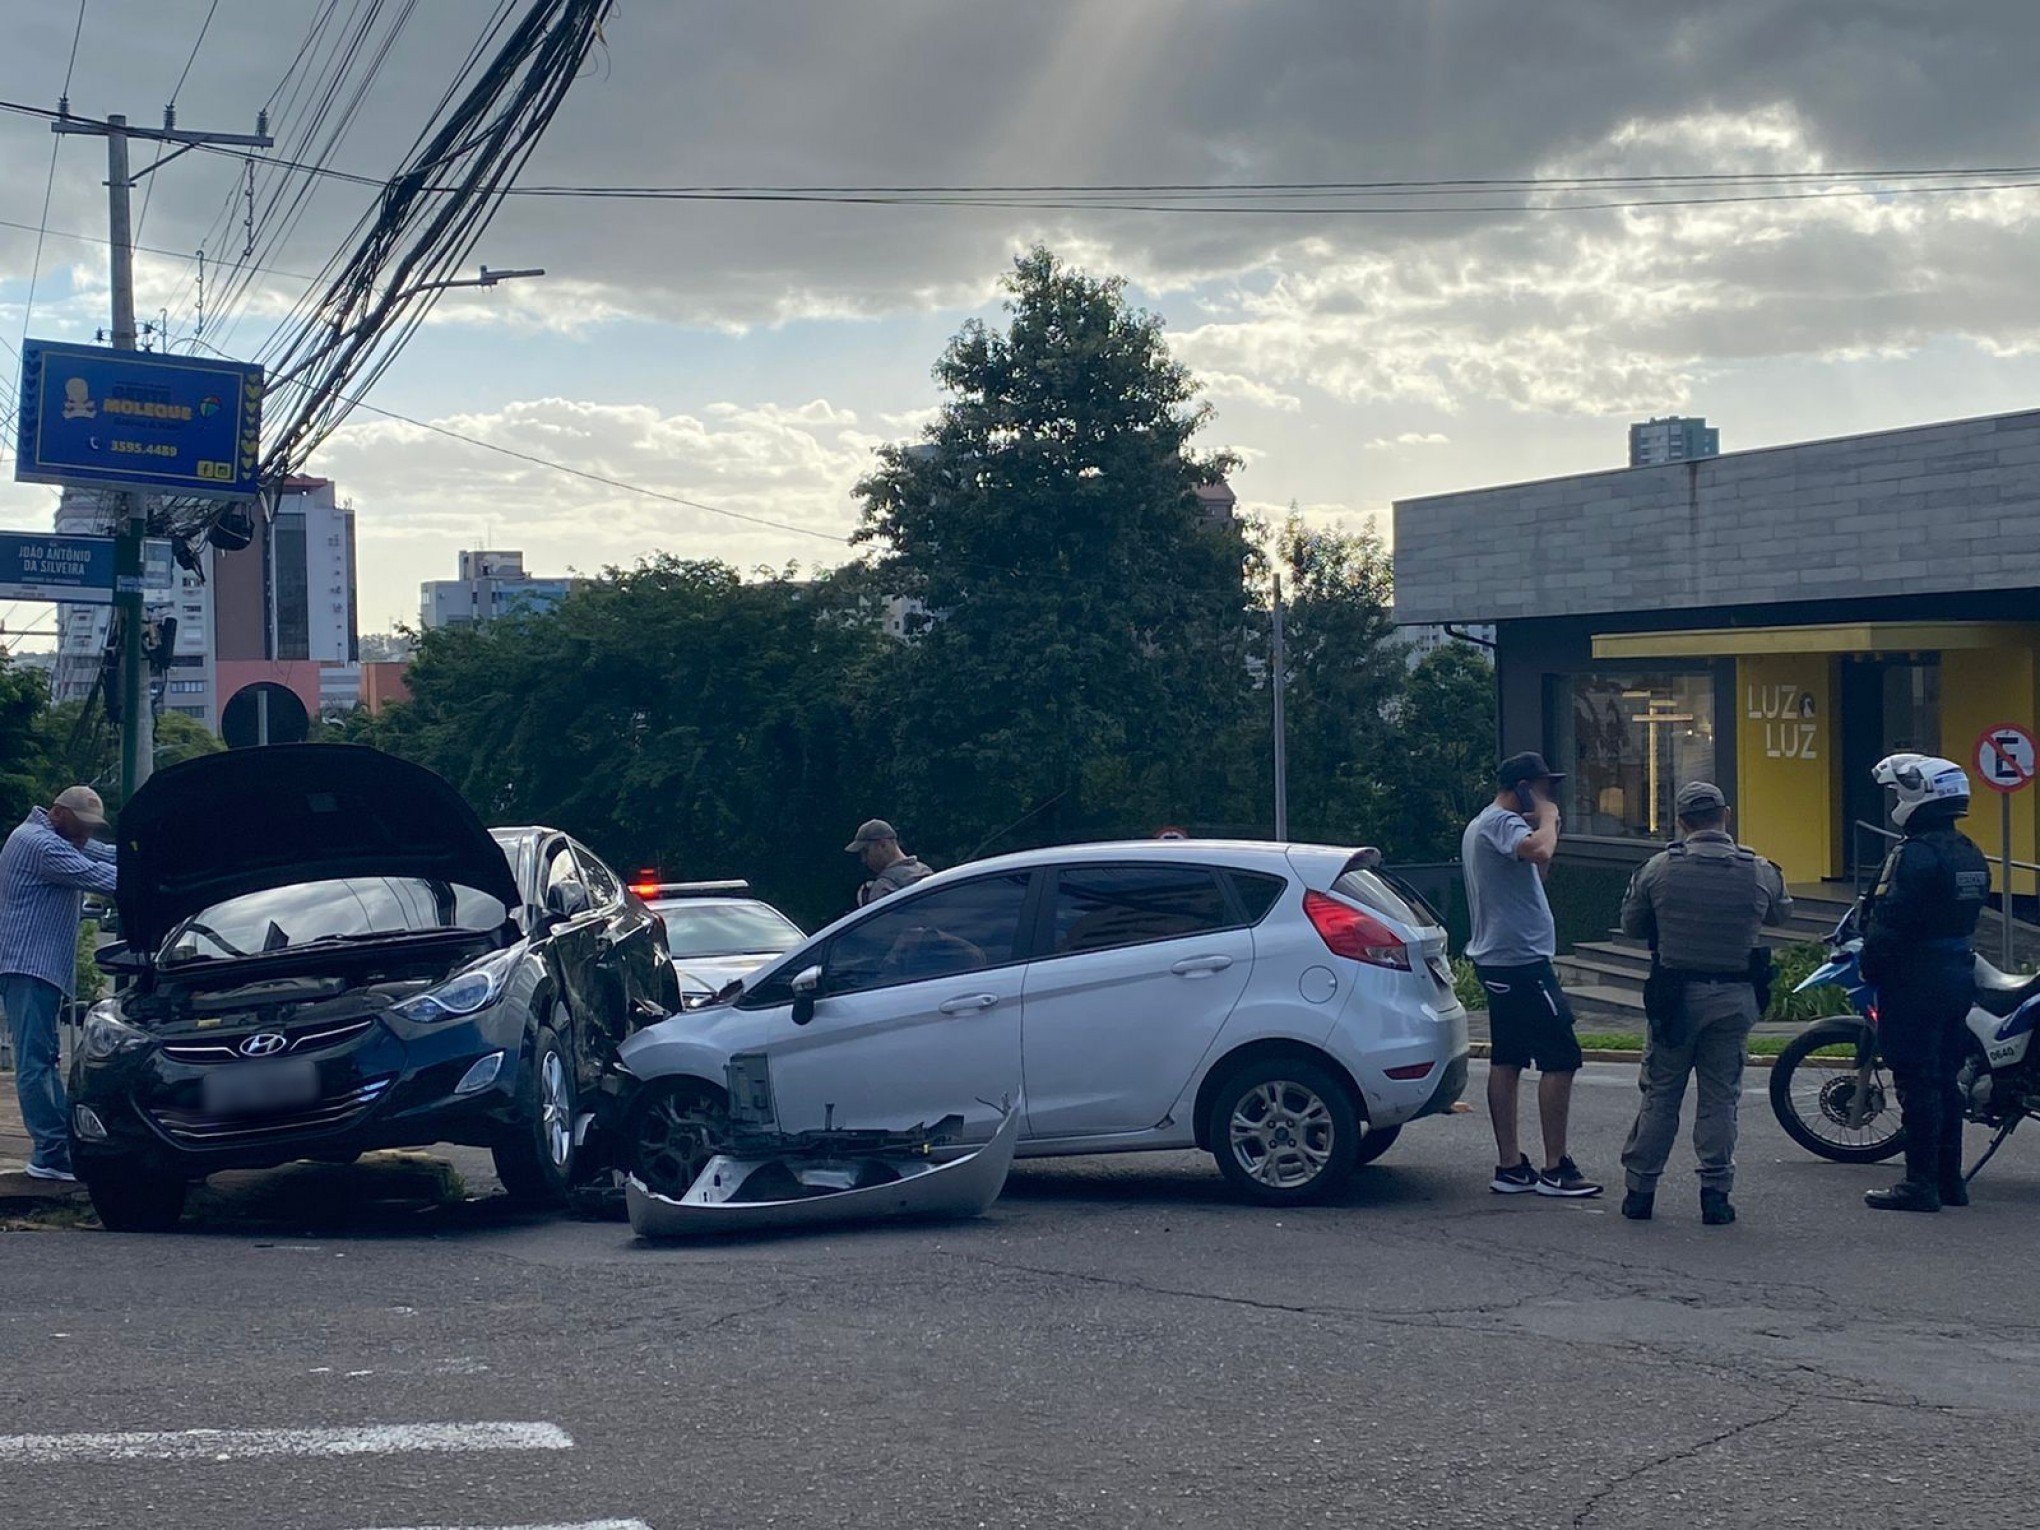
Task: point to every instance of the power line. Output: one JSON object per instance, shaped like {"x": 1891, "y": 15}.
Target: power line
{"x": 1255, "y": 197}
{"x": 152, "y": 249}
{"x": 1040, "y": 574}
{"x": 1263, "y": 209}
{"x": 603, "y": 478}
{"x": 170, "y": 109}
{"x": 1448, "y": 186}
{"x": 203, "y": 27}
{"x": 50, "y": 181}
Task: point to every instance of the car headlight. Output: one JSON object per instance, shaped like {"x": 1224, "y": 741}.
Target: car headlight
{"x": 462, "y": 994}
{"x": 107, "y": 1035}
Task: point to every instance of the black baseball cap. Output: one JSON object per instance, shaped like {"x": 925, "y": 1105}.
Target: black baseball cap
{"x": 1528, "y": 766}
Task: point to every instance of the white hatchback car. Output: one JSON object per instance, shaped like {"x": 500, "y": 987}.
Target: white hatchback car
{"x": 1284, "y": 1006}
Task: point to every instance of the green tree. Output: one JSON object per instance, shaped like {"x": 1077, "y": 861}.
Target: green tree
{"x": 1345, "y": 675}
{"x": 1444, "y": 756}
{"x": 671, "y": 715}
{"x": 1088, "y": 643}
{"x": 79, "y": 746}
{"x": 24, "y": 754}
{"x": 180, "y": 738}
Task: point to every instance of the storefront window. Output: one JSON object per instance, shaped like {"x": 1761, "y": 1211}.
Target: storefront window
{"x": 1628, "y": 743}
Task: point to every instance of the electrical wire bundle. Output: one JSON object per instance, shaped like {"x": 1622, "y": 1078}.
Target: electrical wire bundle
{"x": 421, "y": 228}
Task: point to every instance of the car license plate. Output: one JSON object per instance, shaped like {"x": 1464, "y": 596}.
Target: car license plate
{"x": 259, "y": 1088}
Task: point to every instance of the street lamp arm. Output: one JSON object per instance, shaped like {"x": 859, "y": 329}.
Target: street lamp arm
{"x": 488, "y": 278}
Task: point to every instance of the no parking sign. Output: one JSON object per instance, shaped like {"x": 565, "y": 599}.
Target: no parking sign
{"x": 2006, "y": 759}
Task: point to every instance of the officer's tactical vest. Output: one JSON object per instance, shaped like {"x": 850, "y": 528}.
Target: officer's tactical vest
{"x": 1710, "y": 905}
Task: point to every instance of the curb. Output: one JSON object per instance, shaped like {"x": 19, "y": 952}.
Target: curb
{"x": 1481, "y": 1049}
{"x": 19, "y": 1189}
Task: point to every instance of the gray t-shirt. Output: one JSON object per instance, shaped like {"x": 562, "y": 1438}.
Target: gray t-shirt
{"x": 1511, "y": 917}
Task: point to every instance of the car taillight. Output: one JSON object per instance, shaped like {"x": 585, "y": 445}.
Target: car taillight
{"x": 1354, "y": 933}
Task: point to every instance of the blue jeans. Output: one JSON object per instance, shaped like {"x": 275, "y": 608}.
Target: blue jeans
{"x": 32, "y": 1006}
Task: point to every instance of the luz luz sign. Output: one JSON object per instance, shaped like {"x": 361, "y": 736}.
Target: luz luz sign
{"x": 138, "y": 420}
{"x": 1790, "y": 720}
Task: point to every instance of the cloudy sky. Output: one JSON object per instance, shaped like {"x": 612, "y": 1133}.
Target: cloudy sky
{"x": 750, "y": 357}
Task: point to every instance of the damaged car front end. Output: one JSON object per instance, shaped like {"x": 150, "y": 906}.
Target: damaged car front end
{"x": 324, "y": 957}
{"x": 764, "y": 1179}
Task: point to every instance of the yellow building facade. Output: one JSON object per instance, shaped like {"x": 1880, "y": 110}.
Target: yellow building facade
{"x": 1775, "y": 621}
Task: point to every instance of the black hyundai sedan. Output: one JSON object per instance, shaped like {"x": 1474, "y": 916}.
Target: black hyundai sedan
{"x": 326, "y": 953}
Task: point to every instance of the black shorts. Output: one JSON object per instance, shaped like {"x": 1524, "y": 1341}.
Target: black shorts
{"x": 1529, "y": 1021}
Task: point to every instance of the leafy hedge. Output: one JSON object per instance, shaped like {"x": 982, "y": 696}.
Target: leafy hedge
{"x": 1794, "y": 963}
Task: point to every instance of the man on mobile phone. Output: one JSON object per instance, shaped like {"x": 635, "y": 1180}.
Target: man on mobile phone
{"x": 1505, "y": 855}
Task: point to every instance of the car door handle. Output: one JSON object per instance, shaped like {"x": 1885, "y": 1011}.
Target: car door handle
{"x": 970, "y": 1004}
{"x": 1201, "y": 966}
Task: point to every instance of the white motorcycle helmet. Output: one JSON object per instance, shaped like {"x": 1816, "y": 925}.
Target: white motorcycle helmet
{"x": 1921, "y": 779}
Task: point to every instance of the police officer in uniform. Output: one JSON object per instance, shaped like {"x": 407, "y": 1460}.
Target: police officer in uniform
{"x": 1700, "y": 904}
{"x": 1919, "y": 939}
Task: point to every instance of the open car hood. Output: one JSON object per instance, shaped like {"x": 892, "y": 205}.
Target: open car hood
{"x": 247, "y": 820}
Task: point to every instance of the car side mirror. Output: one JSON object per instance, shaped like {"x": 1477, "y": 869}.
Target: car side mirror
{"x": 567, "y": 898}
{"x": 119, "y": 960}
{"x": 805, "y": 985}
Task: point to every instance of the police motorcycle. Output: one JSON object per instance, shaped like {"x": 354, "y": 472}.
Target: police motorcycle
{"x": 1834, "y": 1095}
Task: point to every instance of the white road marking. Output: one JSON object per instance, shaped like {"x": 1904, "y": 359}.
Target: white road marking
{"x": 250, "y": 1444}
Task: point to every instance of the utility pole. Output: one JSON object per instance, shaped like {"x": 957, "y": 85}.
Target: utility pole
{"x": 1279, "y": 683}
{"x": 131, "y": 516}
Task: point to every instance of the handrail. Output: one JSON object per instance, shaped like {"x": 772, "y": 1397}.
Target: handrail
{"x": 1860, "y": 826}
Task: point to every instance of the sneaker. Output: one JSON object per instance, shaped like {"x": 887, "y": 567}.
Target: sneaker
{"x": 56, "y": 1176}
{"x": 1637, "y": 1205}
{"x": 1566, "y": 1180}
{"x": 1519, "y": 1180}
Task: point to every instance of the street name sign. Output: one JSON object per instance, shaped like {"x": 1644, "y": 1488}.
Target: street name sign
{"x": 158, "y": 424}
{"x": 38, "y": 565}
{"x": 2006, "y": 758}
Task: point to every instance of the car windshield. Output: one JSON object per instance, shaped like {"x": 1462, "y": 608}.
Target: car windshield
{"x": 727, "y": 929}
{"x": 308, "y": 913}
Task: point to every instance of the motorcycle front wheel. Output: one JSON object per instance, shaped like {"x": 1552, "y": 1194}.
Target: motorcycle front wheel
{"x": 1816, "y": 1087}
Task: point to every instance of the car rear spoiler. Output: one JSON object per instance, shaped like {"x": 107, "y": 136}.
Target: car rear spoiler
{"x": 1368, "y": 858}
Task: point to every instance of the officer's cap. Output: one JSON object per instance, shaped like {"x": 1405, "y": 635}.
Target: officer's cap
{"x": 1698, "y": 797}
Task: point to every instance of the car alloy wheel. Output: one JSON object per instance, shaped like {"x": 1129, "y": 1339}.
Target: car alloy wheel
{"x": 556, "y": 1110}
{"x": 535, "y": 1160}
{"x": 1282, "y": 1134}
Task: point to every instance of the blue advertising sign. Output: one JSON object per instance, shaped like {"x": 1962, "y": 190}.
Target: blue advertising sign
{"x": 39, "y": 565}
{"x": 138, "y": 420}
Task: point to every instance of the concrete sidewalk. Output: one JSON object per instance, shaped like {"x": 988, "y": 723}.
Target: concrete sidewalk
{"x": 16, "y": 1187}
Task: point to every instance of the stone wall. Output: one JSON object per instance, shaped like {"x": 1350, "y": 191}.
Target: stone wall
{"x": 1905, "y": 512}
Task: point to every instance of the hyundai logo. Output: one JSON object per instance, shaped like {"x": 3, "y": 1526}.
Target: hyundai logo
{"x": 264, "y": 1044}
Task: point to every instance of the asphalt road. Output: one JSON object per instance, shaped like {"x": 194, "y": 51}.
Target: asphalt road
{"x": 1117, "y": 1344}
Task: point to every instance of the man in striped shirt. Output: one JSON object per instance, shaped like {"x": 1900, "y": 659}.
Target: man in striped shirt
{"x": 46, "y": 868}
